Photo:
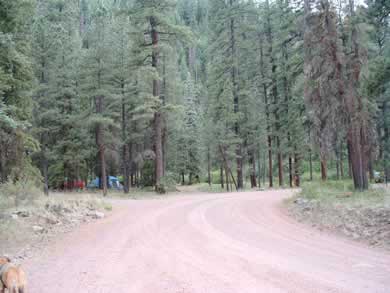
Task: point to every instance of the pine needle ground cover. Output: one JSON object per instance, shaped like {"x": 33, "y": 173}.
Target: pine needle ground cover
{"x": 334, "y": 206}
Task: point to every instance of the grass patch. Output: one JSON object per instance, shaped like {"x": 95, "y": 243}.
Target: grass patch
{"x": 336, "y": 206}
{"x": 342, "y": 191}
{"x": 213, "y": 188}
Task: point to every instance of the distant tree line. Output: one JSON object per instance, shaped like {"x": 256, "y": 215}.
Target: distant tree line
{"x": 160, "y": 92}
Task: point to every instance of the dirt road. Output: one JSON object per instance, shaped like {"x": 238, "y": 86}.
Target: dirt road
{"x": 206, "y": 243}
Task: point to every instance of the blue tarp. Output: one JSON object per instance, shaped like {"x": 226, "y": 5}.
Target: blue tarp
{"x": 112, "y": 182}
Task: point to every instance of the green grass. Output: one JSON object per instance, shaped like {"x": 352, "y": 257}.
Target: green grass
{"x": 214, "y": 188}
{"x": 342, "y": 191}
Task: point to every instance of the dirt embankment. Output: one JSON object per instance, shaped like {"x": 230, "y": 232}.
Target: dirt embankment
{"x": 28, "y": 227}
{"x": 361, "y": 216}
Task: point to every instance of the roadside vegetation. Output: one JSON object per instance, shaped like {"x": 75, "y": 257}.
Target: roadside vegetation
{"x": 337, "y": 207}
{"x": 28, "y": 219}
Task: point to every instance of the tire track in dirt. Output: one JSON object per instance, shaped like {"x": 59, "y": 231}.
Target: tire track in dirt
{"x": 212, "y": 243}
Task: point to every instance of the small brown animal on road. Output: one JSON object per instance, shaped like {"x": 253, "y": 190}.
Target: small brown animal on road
{"x": 12, "y": 277}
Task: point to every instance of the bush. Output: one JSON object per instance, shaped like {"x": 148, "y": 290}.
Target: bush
{"x": 167, "y": 183}
{"x": 147, "y": 174}
{"x": 19, "y": 193}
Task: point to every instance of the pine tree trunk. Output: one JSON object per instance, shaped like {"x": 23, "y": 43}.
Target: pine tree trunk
{"x": 384, "y": 152}
{"x": 221, "y": 177}
{"x": 158, "y": 150}
{"x": 387, "y": 154}
{"x": 280, "y": 162}
{"x": 286, "y": 109}
{"x": 227, "y": 178}
{"x": 341, "y": 162}
{"x": 357, "y": 132}
{"x": 290, "y": 170}
{"x": 324, "y": 175}
{"x": 125, "y": 149}
{"x": 264, "y": 168}
{"x": 267, "y": 112}
{"x": 158, "y": 120}
{"x": 101, "y": 146}
{"x": 137, "y": 176}
{"x": 259, "y": 164}
{"x": 337, "y": 163}
{"x": 297, "y": 178}
{"x": 103, "y": 171}
{"x": 125, "y": 162}
{"x": 349, "y": 161}
{"x": 371, "y": 167}
{"x": 270, "y": 164}
{"x": 310, "y": 165}
{"x": 234, "y": 73}
{"x": 45, "y": 167}
{"x": 358, "y": 162}
{"x": 274, "y": 90}
{"x": 208, "y": 167}
{"x": 2, "y": 166}
{"x": 252, "y": 164}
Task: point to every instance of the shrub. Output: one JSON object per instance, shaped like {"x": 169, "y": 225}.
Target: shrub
{"x": 167, "y": 183}
{"x": 19, "y": 193}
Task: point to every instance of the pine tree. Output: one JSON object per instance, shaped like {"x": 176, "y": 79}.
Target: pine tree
{"x": 16, "y": 81}
{"x": 153, "y": 20}
{"x": 323, "y": 77}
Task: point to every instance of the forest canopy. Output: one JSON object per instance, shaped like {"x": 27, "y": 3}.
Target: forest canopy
{"x": 239, "y": 93}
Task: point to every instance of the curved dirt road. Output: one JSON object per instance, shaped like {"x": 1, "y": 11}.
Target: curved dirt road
{"x": 211, "y": 243}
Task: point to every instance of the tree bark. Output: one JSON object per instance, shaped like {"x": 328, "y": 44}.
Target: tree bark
{"x": 349, "y": 161}
{"x": 310, "y": 165}
{"x": 337, "y": 163}
{"x": 101, "y": 146}
{"x": 45, "y": 167}
{"x": 208, "y": 166}
{"x": 227, "y": 168}
{"x": 274, "y": 91}
{"x": 324, "y": 174}
{"x": 2, "y": 165}
{"x": 297, "y": 176}
{"x": 234, "y": 73}
{"x": 371, "y": 167}
{"x": 357, "y": 117}
{"x": 387, "y": 154}
{"x": 252, "y": 164}
{"x": 259, "y": 164}
{"x": 290, "y": 170}
{"x": 341, "y": 162}
{"x": 125, "y": 148}
{"x": 158, "y": 120}
{"x": 267, "y": 112}
{"x": 227, "y": 177}
{"x": 221, "y": 178}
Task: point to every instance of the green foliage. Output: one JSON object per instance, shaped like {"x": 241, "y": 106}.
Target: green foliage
{"x": 168, "y": 183}
{"x": 147, "y": 174}
{"x": 340, "y": 191}
{"x": 76, "y": 79}
{"x": 16, "y": 193}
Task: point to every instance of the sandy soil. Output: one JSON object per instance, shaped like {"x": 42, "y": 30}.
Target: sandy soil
{"x": 236, "y": 243}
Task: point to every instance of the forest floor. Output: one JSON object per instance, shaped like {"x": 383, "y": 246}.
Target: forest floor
{"x": 333, "y": 206}
{"x": 205, "y": 242}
